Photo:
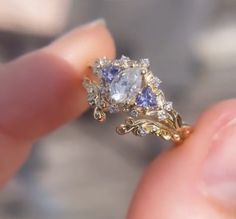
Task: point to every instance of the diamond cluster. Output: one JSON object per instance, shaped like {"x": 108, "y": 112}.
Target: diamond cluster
{"x": 127, "y": 85}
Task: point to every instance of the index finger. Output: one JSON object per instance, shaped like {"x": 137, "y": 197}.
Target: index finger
{"x": 42, "y": 90}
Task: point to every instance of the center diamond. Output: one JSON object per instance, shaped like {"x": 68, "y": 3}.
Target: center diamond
{"x": 125, "y": 85}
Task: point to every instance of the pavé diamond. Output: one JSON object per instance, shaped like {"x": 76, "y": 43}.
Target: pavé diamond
{"x": 126, "y": 85}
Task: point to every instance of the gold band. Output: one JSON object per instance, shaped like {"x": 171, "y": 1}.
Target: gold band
{"x": 126, "y": 85}
{"x": 167, "y": 129}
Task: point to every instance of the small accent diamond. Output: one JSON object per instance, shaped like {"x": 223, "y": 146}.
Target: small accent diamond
{"x": 142, "y": 132}
{"x": 145, "y": 62}
{"x": 161, "y": 99}
{"x": 162, "y": 115}
{"x": 113, "y": 109}
{"x": 134, "y": 113}
{"x": 168, "y": 106}
{"x": 91, "y": 99}
{"x": 156, "y": 81}
{"x": 154, "y": 129}
{"x": 104, "y": 90}
{"x": 123, "y": 57}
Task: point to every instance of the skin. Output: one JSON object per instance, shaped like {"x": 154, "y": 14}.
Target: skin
{"x": 43, "y": 90}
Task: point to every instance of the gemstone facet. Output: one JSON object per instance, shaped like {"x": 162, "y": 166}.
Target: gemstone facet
{"x": 125, "y": 85}
{"x": 109, "y": 72}
{"x": 147, "y": 98}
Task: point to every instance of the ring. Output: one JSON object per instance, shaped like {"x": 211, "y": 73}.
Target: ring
{"x": 129, "y": 86}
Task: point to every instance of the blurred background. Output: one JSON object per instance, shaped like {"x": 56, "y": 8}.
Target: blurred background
{"x": 77, "y": 171}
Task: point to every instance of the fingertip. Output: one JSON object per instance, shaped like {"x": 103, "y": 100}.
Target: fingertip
{"x": 172, "y": 185}
{"x": 95, "y": 40}
{"x": 217, "y": 114}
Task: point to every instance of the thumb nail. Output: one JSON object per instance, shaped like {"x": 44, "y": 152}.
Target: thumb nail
{"x": 99, "y": 21}
{"x": 220, "y": 165}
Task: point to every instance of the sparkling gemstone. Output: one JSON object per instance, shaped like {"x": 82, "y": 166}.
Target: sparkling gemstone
{"x": 147, "y": 98}
{"x": 91, "y": 99}
{"x": 145, "y": 62}
{"x": 125, "y": 61}
{"x": 168, "y": 106}
{"x": 113, "y": 109}
{"x": 142, "y": 132}
{"x": 126, "y": 85}
{"x": 109, "y": 72}
{"x": 162, "y": 115}
{"x": 154, "y": 129}
{"x": 123, "y": 57}
{"x": 161, "y": 99}
{"x": 134, "y": 113}
{"x": 156, "y": 81}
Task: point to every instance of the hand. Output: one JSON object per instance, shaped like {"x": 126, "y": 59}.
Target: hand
{"x": 42, "y": 90}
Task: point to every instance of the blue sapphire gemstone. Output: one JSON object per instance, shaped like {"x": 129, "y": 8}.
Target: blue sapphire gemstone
{"x": 109, "y": 72}
{"x": 147, "y": 98}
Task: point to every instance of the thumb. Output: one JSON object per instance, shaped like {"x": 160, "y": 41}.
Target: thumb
{"x": 197, "y": 179}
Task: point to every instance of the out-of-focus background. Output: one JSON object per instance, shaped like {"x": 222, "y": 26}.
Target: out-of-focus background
{"x": 79, "y": 172}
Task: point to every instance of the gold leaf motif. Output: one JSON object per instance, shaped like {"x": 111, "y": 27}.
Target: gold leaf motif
{"x": 141, "y": 127}
{"x": 99, "y": 114}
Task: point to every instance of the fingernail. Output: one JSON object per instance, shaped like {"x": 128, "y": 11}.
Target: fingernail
{"x": 99, "y": 21}
{"x": 220, "y": 165}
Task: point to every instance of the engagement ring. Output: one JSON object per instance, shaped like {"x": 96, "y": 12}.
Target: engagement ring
{"x": 129, "y": 86}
